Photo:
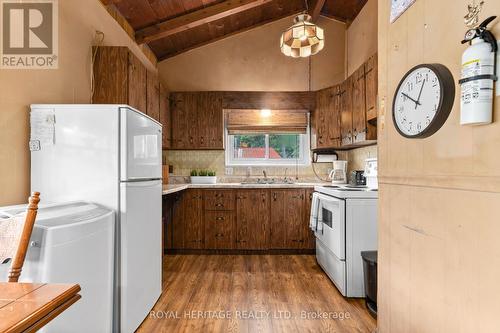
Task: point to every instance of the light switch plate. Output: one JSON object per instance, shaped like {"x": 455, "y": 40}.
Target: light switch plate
{"x": 229, "y": 171}
{"x": 497, "y": 84}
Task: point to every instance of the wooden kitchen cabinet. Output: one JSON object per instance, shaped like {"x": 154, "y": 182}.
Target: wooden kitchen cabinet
{"x": 211, "y": 122}
{"x": 219, "y": 230}
{"x": 193, "y": 231}
{"x": 178, "y": 224}
{"x": 358, "y": 105}
{"x": 346, "y": 112}
{"x": 153, "y": 96}
{"x": 197, "y": 120}
{"x": 327, "y": 118}
{"x": 371, "y": 78}
{"x": 165, "y": 118}
{"x": 287, "y": 217}
{"x": 242, "y": 219}
{"x": 309, "y": 238}
{"x": 252, "y": 219}
{"x": 219, "y": 199}
{"x": 119, "y": 78}
{"x": 137, "y": 95}
{"x": 182, "y": 130}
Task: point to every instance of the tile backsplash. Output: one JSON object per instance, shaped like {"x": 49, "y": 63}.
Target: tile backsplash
{"x": 183, "y": 161}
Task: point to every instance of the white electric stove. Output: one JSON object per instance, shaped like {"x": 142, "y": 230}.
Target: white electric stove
{"x": 344, "y": 220}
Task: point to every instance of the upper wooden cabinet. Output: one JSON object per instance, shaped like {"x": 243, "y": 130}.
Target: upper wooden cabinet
{"x": 153, "y": 96}
{"x": 197, "y": 120}
{"x": 346, "y": 112}
{"x": 346, "y": 115}
{"x": 371, "y": 78}
{"x": 165, "y": 118}
{"x": 358, "y": 106}
{"x": 325, "y": 121}
{"x": 119, "y": 78}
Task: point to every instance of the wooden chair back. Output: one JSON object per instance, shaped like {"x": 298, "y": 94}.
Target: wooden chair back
{"x": 21, "y": 235}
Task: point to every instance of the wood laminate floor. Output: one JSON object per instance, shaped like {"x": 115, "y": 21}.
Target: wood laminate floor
{"x": 252, "y": 293}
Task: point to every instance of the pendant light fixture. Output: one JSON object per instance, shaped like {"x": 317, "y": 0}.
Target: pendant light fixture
{"x": 303, "y": 38}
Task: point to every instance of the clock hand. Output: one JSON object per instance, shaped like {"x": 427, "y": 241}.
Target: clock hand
{"x": 420, "y": 94}
{"x": 416, "y": 102}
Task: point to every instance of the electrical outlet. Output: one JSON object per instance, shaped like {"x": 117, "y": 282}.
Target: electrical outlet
{"x": 34, "y": 145}
{"x": 229, "y": 171}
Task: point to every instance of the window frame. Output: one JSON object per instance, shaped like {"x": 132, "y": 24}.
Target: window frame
{"x": 304, "y": 153}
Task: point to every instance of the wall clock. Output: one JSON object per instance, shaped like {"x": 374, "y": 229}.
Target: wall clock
{"x": 423, "y": 100}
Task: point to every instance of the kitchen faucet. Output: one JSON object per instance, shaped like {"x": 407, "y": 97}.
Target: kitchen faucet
{"x": 265, "y": 174}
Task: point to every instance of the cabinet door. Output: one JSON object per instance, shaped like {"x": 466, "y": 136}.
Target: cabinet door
{"x": 211, "y": 123}
{"x": 252, "y": 219}
{"x": 180, "y": 120}
{"x": 219, "y": 230}
{"x": 178, "y": 221}
{"x": 193, "y": 219}
{"x": 359, "y": 106}
{"x": 309, "y": 238}
{"x": 165, "y": 118}
{"x": 294, "y": 217}
{"x": 136, "y": 83}
{"x": 278, "y": 223}
{"x": 333, "y": 122}
{"x": 287, "y": 215}
{"x": 346, "y": 112}
{"x": 371, "y": 76}
{"x": 153, "y": 96}
{"x": 110, "y": 75}
{"x": 193, "y": 120}
{"x": 322, "y": 103}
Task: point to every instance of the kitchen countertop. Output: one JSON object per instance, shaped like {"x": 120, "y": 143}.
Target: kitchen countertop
{"x": 172, "y": 188}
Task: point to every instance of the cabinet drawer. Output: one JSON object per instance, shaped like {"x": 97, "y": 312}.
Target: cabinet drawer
{"x": 219, "y": 200}
{"x": 219, "y": 230}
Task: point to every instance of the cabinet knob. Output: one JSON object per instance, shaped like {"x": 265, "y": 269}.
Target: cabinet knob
{"x": 219, "y": 218}
{"x": 219, "y": 205}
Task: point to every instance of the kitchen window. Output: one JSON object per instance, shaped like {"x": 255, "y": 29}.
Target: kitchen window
{"x": 276, "y": 139}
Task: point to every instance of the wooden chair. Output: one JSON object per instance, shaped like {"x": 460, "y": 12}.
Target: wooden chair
{"x": 15, "y": 238}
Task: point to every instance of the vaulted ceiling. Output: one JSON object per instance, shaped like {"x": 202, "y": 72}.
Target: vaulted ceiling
{"x": 170, "y": 27}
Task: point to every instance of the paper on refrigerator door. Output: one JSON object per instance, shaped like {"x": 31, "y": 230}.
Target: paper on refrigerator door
{"x": 42, "y": 129}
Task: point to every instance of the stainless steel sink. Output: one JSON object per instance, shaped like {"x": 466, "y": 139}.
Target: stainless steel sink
{"x": 268, "y": 181}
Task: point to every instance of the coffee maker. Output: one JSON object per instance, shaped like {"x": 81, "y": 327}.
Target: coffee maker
{"x": 339, "y": 173}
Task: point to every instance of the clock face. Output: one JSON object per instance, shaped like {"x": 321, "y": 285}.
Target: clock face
{"x": 422, "y": 101}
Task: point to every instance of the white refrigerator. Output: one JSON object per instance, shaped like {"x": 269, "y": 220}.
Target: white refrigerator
{"x": 111, "y": 155}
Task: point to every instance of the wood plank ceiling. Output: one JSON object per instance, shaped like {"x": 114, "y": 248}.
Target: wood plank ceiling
{"x": 171, "y": 27}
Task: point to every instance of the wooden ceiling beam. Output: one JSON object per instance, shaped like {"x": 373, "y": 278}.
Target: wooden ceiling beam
{"x": 315, "y": 7}
{"x": 213, "y": 40}
{"x": 195, "y": 19}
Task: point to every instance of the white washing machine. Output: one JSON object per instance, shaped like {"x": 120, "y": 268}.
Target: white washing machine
{"x": 72, "y": 243}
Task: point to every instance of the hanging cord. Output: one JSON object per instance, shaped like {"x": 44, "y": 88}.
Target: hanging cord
{"x": 98, "y": 41}
{"x": 317, "y": 175}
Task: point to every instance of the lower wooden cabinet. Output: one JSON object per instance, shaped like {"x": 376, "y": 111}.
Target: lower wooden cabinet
{"x": 192, "y": 207}
{"x": 287, "y": 219}
{"x": 252, "y": 219}
{"x": 309, "y": 238}
{"x": 243, "y": 219}
{"x": 219, "y": 230}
